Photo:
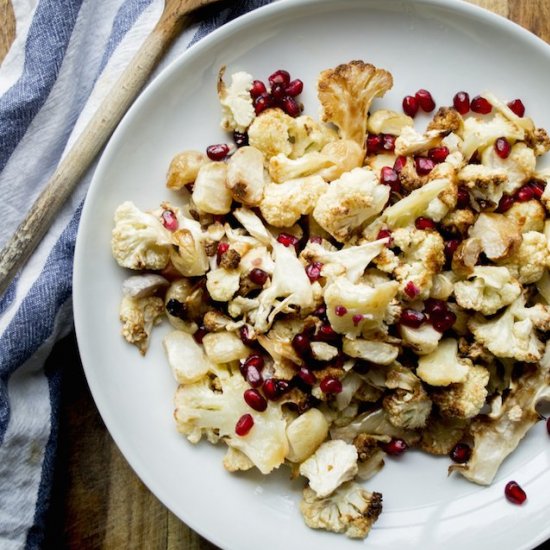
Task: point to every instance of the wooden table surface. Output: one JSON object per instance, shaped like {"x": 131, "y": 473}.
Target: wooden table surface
{"x": 98, "y": 502}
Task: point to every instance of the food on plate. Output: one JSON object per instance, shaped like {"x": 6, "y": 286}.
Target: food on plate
{"x": 345, "y": 289}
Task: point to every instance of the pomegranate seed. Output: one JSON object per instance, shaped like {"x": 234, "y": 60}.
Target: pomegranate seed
{"x": 411, "y": 290}
{"x": 438, "y": 154}
{"x": 258, "y": 276}
{"x": 329, "y": 384}
{"x": 262, "y": 102}
{"x": 271, "y": 389}
{"x": 258, "y": 88}
{"x": 290, "y": 106}
{"x": 218, "y": 151}
{"x": 395, "y": 447}
{"x": 240, "y": 138}
{"x": 505, "y": 203}
{"x": 199, "y": 334}
{"x": 424, "y": 165}
{"x": 461, "y": 102}
{"x": 450, "y": 248}
{"x": 388, "y": 176}
{"x": 294, "y": 88}
{"x": 316, "y": 239}
{"x": 283, "y": 386}
{"x": 326, "y": 334}
{"x": 425, "y": 100}
{"x": 287, "y": 240}
{"x": 301, "y": 345}
{"x": 279, "y": 77}
{"x": 514, "y": 493}
{"x": 252, "y": 375}
{"x": 412, "y": 318}
{"x": 384, "y": 234}
{"x": 245, "y": 336}
{"x": 254, "y": 360}
{"x": 481, "y": 105}
{"x": 357, "y": 319}
{"x": 388, "y": 143}
{"x": 503, "y": 147}
{"x": 399, "y": 163}
{"x": 444, "y": 322}
{"x": 307, "y": 376}
{"x": 374, "y": 144}
{"x": 435, "y": 308}
{"x": 221, "y": 250}
{"x": 244, "y": 424}
{"x": 517, "y": 107}
{"x": 461, "y": 453}
{"x": 313, "y": 271}
{"x": 462, "y": 198}
{"x": 424, "y": 224}
{"x": 410, "y": 105}
{"x": 538, "y": 188}
{"x": 169, "y": 220}
{"x": 278, "y": 92}
{"x": 321, "y": 312}
{"x": 255, "y": 400}
{"x": 340, "y": 310}
{"x": 525, "y": 194}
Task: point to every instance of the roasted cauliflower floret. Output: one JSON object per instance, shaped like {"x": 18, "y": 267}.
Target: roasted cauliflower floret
{"x": 187, "y": 253}
{"x": 410, "y": 141}
{"x": 443, "y": 366}
{"x": 512, "y": 333}
{"x": 529, "y": 216}
{"x": 488, "y": 289}
{"x": 282, "y": 168}
{"x": 447, "y": 119}
{"x": 466, "y": 399}
{"x": 332, "y": 464}
{"x": 529, "y": 261}
{"x": 237, "y": 109}
{"x": 344, "y": 155}
{"x": 245, "y": 175}
{"x": 459, "y": 221}
{"x": 346, "y": 93}
{"x": 422, "y": 340}
{"x": 350, "y": 510}
{"x": 497, "y": 436}
{"x": 138, "y": 317}
{"x": 499, "y": 236}
{"x": 350, "y": 202}
{"x": 284, "y": 203}
{"x": 305, "y": 434}
{"x": 184, "y": 168}
{"x": 408, "y": 408}
{"x": 480, "y": 133}
{"x": 210, "y": 193}
{"x": 440, "y": 435}
{"x": 215, "y": 402}
{"x": 385, "y": 121}
{"x": 185, "y": 357}
{"x": 420, "y": 259}
{"x": 308, "y": 135}
{"x": 485, "y": 184}
{"x": 139, "y": 240}
{"x": 271, "y": 133}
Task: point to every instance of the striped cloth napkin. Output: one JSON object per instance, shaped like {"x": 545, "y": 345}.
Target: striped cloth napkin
{"x": 66, "y": 56}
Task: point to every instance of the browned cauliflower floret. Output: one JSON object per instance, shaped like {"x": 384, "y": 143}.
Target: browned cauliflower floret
{"x": 410, "y": 141}
{"x": 385, "y": 121}
{"x": 440, "y": 435}
{"x": 486, "y": 185}
{"x": 443, "y": 366}
{"x": 497, "y": 435}
{"x": 408, "y": 409}
{"x": 210, "y": 192}
{"x": 284, "y": 203}
{"x": 308, "y": 135}
{"x": 447, "y": 119}
{"x": 420, "y": 259}
{"x": 344, "y": 155}
{"x": 138, "y": 317}
{"x": 350, "y": 202}
{"x": 305, "y": 434}
{"x": 271, "y": 132}
{"x": 499, "y": 236}
{"x": 245, "y": 175}
{"x": 539, "y": 141}
{"x": 459, "y": 221}
{"x": 346, "y": 94}
{"x": 529, "y": 261}
{"x": 350, "y": 510}
{"x": 184, "y": 168}
{"x": 529, "y": 216}
{"x": 465, "y": 399}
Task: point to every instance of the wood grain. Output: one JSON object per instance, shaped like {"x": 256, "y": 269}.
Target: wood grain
{"x": 98, "y": 501}
{"x": 7, "y": 28}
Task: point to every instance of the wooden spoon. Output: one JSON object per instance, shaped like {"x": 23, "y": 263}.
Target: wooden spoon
{"x": 75, "y": 163}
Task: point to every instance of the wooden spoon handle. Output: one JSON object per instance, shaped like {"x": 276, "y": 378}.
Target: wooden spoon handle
{"x": 76, "y": 162}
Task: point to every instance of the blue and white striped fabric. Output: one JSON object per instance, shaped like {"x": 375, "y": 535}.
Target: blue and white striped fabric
{"x": 66, "y": 56}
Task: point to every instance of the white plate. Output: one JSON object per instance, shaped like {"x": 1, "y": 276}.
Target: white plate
{"x": 443, "y": 46}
